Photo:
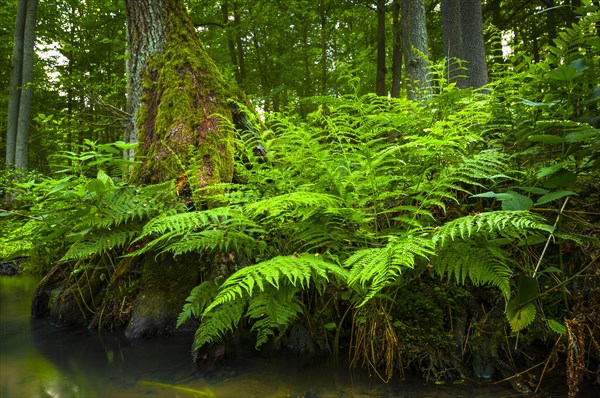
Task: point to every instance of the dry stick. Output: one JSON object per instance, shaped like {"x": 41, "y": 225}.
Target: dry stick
{"x": 546, "y": 362}
{"x": 550, "y": 237}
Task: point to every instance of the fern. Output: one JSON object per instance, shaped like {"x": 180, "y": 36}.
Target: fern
{"x": 376, "y": 268}
{"x": 511, "y": 224}
{"x": 100, "y": 242}
{"x": 298, "y": 270}
{"x": 274, "y": 309}
{"x": 295, "y": 204}
{"x": 221, "y": 228}
{"x": 274, "y": 306}
{"x": 220, "y": 321}
{"x": 480, "y": 261}
{"x": 199, "y": 298}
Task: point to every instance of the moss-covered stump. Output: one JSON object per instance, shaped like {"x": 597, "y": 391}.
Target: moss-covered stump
{"x": 164, "y": 286}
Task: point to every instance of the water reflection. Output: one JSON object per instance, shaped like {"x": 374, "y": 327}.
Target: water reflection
{"x": 39, "y": 360}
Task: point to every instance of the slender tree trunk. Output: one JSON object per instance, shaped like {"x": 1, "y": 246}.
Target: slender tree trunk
{"x": 240, "y": 43}
{"x": 397, "y": 50}
{"x": 473, "y": 43}
{"x": 381, "y": 70}
{"x": 15, "y": 83}
{"x": 415, "y": 48}
{"x": 323, "y": 14}
{"x": 550, "y": 20}
{"x": 21, "y": 90}
{"x": 230, "y": 41}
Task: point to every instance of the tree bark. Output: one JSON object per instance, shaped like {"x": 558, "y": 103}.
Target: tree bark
{"x": 177, "y": 96}
{"x": 416, "y": 51}
{"x": 462, "y": 26}
{"x": 381, "y": 70}
{"x": 20, "y": 90}
{"x": 473, "y": 43}
{"x": 453, "y": 45}
{"x": 397, "y": 50}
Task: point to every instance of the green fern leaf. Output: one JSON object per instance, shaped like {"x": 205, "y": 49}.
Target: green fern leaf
{"x": 197, "y": 301}
{"x": 479, "y": 261}
{"x": 297, "y": 270}
{"x": 517, "y": 223}
{"x": 376, "y": 268}
{"x": 272, "y": 310}
{"x": 218, "y": 322}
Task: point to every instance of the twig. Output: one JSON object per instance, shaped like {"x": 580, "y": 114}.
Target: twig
{"x": 549, "y": 237}
{"x": 22, "y": 215}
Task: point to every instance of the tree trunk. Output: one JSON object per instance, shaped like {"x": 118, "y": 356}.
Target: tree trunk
{"x": 21, "y": 91}
{"x": 414, "y": 46}
{"x": 323, "y": 14}
{"x": 239, "y": 41}
{"x": 473, "y": 43}
{"x": 380, "y": 80}
{"x": 177, "y": 95}
{"x": 462, "y": 28}
{"x": 230, "y": 42}
{"x": 453, "y": 45}
{"x": 397, "y": 50}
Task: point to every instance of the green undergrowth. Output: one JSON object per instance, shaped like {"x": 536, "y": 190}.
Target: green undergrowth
{"x": 365, "y": 217}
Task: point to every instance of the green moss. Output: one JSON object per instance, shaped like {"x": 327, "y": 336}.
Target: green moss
{"x": 164, "y": 286}
{"x": 184, "y": 104}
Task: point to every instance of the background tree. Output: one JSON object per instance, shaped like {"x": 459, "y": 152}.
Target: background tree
{"x": 464, "y": 41}
{"x": 21, "y": 89}
{"x": 415, "y": 48}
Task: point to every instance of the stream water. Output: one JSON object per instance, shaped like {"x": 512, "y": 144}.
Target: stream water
{"x": 39, "y": 360}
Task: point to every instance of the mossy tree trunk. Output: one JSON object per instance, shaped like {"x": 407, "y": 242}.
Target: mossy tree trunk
{"x": 182, "y": 120}
{"x": 177, "y": 96}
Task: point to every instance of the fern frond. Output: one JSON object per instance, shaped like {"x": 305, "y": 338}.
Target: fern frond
{"x": 220, "y": 321}
{"x": 274, "y": 309}
{"x": 221, "y": 228}
{"x": 480, "y": 261}
{"x": 300, "y": 203}
{"x": 376, "y": 268}
{"x": 510, "y": 224}
{"x": 191, "y": 221}
{"x": 299, "y": 271}
{"x": 99, "y": 242}
{"x": 197, "y": 301}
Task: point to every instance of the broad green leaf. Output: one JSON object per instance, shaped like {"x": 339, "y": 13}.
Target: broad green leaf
{"x": 564, "y": 73}
{"x": 546, "y": 139}
{"x": 519, "y": 317}
{"x": 549, "y": 197}
{"x": 546, "y": 171}
{"x": 561, "y": 179}
{"x": 537, "y": 104}
{"x": 585, "y": 135}
{"x": 516, "y": 202}
{"x": 556, "y": 326}
{"x": 499, "y": 196}
{"x": 527, "y": 290}
{"x": 534, "y": 190}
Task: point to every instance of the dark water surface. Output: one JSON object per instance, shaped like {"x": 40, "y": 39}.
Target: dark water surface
{"x": 39, "y": 360}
